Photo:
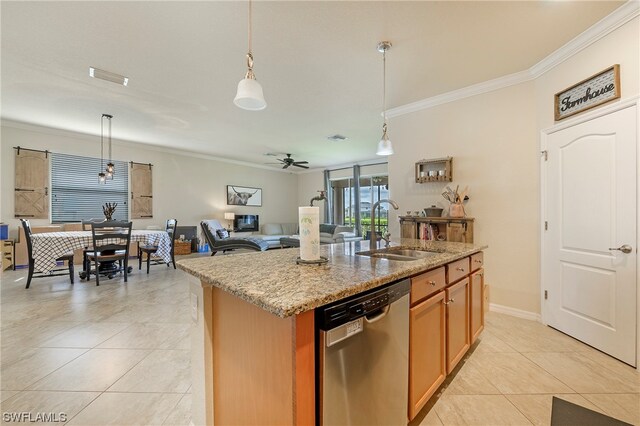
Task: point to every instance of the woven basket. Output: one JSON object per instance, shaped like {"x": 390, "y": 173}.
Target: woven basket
{"x": 183, "y": 247}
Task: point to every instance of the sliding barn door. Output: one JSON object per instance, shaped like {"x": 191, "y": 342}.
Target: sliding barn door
{"x": 141, "y": 191}
{"x": 31, "y": 184}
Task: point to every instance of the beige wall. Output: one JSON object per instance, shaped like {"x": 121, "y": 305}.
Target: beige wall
{"x": 188, "y": 188}
{"x": 494, "y": 150}
{"x": 622, "y": 47}
{"x": 495, "y": 141}
{"x": 308, "y": 185}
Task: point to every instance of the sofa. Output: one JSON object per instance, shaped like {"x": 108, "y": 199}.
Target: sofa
{"x": 272, "y": 232}
{"x": 332, "y": 234}
{"x": 329, "y": 234}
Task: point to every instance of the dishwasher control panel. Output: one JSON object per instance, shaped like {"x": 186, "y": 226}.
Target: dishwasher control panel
{"x": 341, "y": 312}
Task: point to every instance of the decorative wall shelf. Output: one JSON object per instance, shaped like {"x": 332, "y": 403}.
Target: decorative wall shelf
{"x": 434, "y": 170}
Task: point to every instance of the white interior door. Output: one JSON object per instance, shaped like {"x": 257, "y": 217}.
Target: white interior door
{"x": 591, "y": 211}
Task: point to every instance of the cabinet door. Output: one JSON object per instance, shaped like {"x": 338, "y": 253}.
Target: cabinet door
{"x": 427, "y": 283}
{"x": 427, "y": 366}
{"x": 476, "y": 311}
{"x": 457, "y": 322}
{"x": 408, "y": 229}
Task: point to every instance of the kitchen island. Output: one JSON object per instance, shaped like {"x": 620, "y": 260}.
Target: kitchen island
{"x": 257, "y": 323}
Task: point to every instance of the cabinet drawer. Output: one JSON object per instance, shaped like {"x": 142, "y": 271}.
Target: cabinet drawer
{"x": 426, "y": 284}
{"x": 458, "y": 269}
{"x": 477, "y": 261}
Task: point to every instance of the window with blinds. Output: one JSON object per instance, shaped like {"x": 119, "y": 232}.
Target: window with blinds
{"x": 76, "y": 193}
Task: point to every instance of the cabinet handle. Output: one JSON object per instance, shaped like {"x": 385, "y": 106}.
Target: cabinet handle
{"x": 478, "y": 261}
{"x": 433, "y": 283}
{"x": 460, "y": 269}
{"x": 450, "y": 301}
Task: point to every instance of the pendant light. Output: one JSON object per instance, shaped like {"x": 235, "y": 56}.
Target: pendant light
{"x": 102, "y": 177}
{"x": 384, "y": 146}
{"x": 249, "y": 95}
{"x": 111, "y": 168}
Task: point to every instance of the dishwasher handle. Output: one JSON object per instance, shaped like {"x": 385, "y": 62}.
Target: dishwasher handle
{"x": 382, "y": 312}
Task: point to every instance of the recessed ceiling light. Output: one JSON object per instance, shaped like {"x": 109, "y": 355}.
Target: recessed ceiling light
{"x": 337, "y": 138}
{"x": 108, "y": 76}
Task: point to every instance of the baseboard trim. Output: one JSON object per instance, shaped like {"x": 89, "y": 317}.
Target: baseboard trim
{"x": 501, "y": 309}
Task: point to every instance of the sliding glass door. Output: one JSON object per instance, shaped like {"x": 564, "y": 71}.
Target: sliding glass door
{"x": 372, "y": 189}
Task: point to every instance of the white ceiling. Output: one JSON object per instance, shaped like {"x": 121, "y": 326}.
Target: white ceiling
{"x": 317, "y": 62}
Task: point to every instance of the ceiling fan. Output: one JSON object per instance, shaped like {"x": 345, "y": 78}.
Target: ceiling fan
{"x": 288, "y": 161}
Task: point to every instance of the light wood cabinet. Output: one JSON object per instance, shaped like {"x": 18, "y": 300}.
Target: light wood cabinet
{"x": 446, "y": 316}
{"x": 8, "y": 256}
{"x": 454, "y": 229}
{"x": 458, "y": 339}
{"x": 477, "y": 261}
{"x": 425, "y": 284}
{"x": 427, "y": 364}
{"x": 476, "y": 308}
{"x": 457, "y": 270}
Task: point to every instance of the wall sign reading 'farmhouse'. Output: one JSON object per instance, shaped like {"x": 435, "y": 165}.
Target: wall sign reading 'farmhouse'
{"x": 243, "y": 196}
{"x": 591, "y": 92}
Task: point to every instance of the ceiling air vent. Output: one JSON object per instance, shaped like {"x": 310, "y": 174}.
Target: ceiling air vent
{"x": 337, "y": 138}
{"x": 108, "y": 76}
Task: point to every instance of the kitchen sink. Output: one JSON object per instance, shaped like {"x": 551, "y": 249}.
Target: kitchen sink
{"x": 396, "y": 253}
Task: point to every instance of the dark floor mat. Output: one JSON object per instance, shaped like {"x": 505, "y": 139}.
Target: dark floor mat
{"x": 564, "y": 413}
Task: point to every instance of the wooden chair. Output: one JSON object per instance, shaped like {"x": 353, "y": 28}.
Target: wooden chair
{"x": 110, "y": 244}
{"x": 86, "y": 265}
{"x": 68, "y": 257}
{"x": 150, "y": 249}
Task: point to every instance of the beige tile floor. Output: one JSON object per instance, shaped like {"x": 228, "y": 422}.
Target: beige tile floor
{"x": 120, "y": 354}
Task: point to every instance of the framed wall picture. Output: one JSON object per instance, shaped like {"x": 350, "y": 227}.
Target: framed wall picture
{"x": 593, "y": 91}
{"x": 244, "y": 196}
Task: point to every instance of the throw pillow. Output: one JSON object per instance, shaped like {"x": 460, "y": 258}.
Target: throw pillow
{"x": 222, "y": 233}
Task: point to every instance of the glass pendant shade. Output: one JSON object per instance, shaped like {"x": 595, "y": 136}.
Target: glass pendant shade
{"x": 102, "y": 178}
{"x": 384, "y": 146}
{"x": 249, "y": 95}
{"x": 111, "y": 168}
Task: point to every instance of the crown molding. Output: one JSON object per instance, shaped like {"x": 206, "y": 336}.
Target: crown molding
{"x": 608, "y": 24}
{"x": 600, "y": 29}
{"x": 465, "y": 92}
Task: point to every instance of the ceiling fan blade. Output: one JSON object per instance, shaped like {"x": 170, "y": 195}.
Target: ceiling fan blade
{"x": 286, "y": 166}
{"x": 300, "y": 162}
{"x": 302, "y": 167}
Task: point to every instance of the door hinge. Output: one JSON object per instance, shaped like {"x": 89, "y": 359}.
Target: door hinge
{"x": 546, "y": 295}
{"x": 545, "y": 154}
{"x": 546, "y": 225}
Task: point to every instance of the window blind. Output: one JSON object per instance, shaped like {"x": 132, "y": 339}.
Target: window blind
{"x": 76, "y": 193}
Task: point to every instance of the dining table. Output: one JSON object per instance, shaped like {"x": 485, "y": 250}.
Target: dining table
{"x": 49, "y": 246}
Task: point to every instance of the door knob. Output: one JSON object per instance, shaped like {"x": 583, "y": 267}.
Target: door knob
{"x": 626, "y": 248}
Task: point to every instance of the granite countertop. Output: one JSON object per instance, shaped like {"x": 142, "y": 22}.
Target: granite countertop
{"x": 273, "y": 281}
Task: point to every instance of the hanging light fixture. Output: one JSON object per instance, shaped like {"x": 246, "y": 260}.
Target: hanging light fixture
{"x": 102, "y": 177}
{"x": 384, "y": 146}
{"x": 249, "y": 95}
{"x": 111, "y": 168}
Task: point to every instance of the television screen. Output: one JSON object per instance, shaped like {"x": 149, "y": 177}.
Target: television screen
{"x": 246, "y": 223}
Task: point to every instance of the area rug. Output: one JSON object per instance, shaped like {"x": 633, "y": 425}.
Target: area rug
{"x": 564, "y": 413}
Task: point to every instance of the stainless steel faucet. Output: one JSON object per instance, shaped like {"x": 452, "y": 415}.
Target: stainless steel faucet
{"x": 387, "y": 236}
{"x": 320, "y": 197}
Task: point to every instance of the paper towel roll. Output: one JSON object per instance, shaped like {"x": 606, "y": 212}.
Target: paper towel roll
{"x": 309, "y": 223}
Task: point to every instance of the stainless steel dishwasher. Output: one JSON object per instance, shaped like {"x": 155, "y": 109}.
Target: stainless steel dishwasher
{"x": 363, "y": 353}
